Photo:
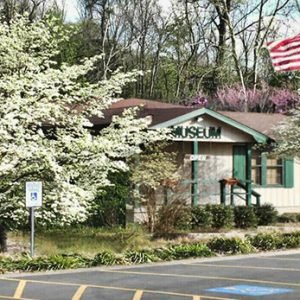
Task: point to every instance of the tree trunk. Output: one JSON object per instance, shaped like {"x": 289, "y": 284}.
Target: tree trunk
{"x": 3, "y": 239}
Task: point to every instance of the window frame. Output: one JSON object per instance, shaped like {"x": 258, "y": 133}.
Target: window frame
{"x": 287, "y": 173}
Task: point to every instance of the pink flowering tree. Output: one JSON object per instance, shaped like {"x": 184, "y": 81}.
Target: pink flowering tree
{"x": 263, "y": 99}
{"x": 198, "y": 101}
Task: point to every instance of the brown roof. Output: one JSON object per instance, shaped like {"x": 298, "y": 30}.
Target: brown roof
{"x": 261, "y": 122}
{"x": 159, "y": 111}
{"x": 146, "y": 103}
{"x": 162, "y": 112}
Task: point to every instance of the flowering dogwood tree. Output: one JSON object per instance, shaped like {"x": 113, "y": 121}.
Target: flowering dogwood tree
{"x": 45, "y": 132}
{"x": 288, "y": 136}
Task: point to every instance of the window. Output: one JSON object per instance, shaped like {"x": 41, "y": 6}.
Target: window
{"x": 256, "y": 168}
{"x": 274, "y": 171}
{"x": 270, "y": 171}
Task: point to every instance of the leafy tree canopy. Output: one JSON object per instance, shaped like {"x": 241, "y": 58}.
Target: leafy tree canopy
{"x": 45, "y": 129}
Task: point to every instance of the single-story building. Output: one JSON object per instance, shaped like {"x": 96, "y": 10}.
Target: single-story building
{"x": 216, "y": 146}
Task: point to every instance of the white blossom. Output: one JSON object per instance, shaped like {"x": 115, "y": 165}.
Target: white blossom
{"x": 45, "y": 132}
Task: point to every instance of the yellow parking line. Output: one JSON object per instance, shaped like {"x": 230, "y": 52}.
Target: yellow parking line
{"x": 196, "y": 298}
{"x": 20, "y": 289}
{"x": 243, "y": 267}
{"x": 138, "y": 295}
{"x": 116, "y": 288}
{"x": 12, "y": 298}
{"x": 205, "y": 277}
{"x": 79, "y": 292}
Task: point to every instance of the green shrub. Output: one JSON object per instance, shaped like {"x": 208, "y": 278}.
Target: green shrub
{"x": 291, "y": 240}
{"x": 266, "y": 241}
{"x": 104, "y": 258}
{"x": 201, "y": 217}
{"x": 245, "y": 217}
{"x": 140, "y": 257}
{"x": 289, "y": 218}
{"x": 190, "y": 250}
{"x": 222, "y": 216}
{"x": 183, "y": 251}
{"x": 172, "y": 217}
{"x": 109, "y": 206}
{"x": 230, "y": 246}
{"x": 266, "y": 214}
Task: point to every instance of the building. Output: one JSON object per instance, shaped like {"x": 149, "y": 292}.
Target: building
{"x": 216, "y": 146}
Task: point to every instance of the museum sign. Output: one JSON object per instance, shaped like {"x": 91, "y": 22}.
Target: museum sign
{"x": 196, "y": 132}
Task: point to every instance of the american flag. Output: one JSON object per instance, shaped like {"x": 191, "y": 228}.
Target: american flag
{"x": 285, "y": 54}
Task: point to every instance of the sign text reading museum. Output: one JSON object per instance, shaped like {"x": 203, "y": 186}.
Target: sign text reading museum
{"x": 196, "y": 132}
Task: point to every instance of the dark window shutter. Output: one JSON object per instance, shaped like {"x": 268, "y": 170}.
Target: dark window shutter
{"x": 288, "y": 173}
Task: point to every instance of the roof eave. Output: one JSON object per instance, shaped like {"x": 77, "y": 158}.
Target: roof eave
{"x": 258, "y": 136}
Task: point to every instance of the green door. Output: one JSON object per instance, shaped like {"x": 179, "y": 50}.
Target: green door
{"x": 239, "y": 162}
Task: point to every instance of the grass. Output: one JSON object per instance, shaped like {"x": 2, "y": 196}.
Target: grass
{"x": 86, "y": 241}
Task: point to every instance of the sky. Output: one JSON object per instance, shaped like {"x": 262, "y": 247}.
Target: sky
{"x": 72, "y": 11}
{"x": 72, "y": 15}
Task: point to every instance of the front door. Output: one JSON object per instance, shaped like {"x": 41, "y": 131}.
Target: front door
{"x": 239, "y": 162}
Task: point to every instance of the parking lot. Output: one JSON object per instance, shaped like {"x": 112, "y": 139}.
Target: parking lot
{"x": 269, "y": 276}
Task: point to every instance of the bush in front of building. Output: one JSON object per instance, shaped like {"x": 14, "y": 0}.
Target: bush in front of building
{"x": 222, "y": 216}
{"x": 201, "y": 217}
{"x": 172, "y": 217}
{"x": 245, "y": 217}
{"x": 266, "y": 214}
{"x": 289, "y": 218}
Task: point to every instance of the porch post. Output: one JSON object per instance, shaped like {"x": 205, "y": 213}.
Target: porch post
{"x": 195, "y": 174}
{"x": 248, "y": 174}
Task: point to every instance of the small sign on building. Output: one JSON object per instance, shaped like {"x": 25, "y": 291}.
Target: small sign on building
{"x": 33, "y": 194}
{"x": 198, "y": 157}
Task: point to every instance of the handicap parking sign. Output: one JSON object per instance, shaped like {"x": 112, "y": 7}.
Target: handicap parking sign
{"x": 250, "y": 290}
{"x": 33, "y": 194}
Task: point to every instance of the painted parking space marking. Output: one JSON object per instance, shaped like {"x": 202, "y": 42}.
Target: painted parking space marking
{"x": 8, "y": 297}
{"x": 79, "y": 292}
{"x": 138, "y": 295}
{"x": 242, "y": 267}
{"x": 250, "y": 290}
{"x": 20, "y": 288}
{"x": 206, "y": 277}
{"x": 186, "y": 295}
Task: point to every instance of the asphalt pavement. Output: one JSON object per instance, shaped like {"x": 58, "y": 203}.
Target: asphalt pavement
{"x": 266, "y": 276}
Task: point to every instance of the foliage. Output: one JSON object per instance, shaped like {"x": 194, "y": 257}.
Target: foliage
{"x": 266, "y": 241}
{"x": 289, "y": 218}
{"x": 222, "y": 216}
{"x": 140, "y": 257}
{"x": 263, "y": 99}
{"x": 244, "y": 217}
{"x": 266, "y": 214}
{"x": 172, "y": 217}
{"x": 109, "y": 206}
{"x": 287, "y": 132}
{"x": 44, "y": 138}
{"x": 230, "y": 246}
{"x": 201, "y": 217}
{"x": 154, "y": 169}
{"x": 189, "y": 250}
{"x": 104, "y": 258}
{"x": 227, "y": 246}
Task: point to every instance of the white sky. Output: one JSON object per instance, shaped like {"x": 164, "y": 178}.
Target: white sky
{"x": 72, "y": 11}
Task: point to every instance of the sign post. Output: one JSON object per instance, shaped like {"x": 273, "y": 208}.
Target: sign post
{"x": 33, "y": 200}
